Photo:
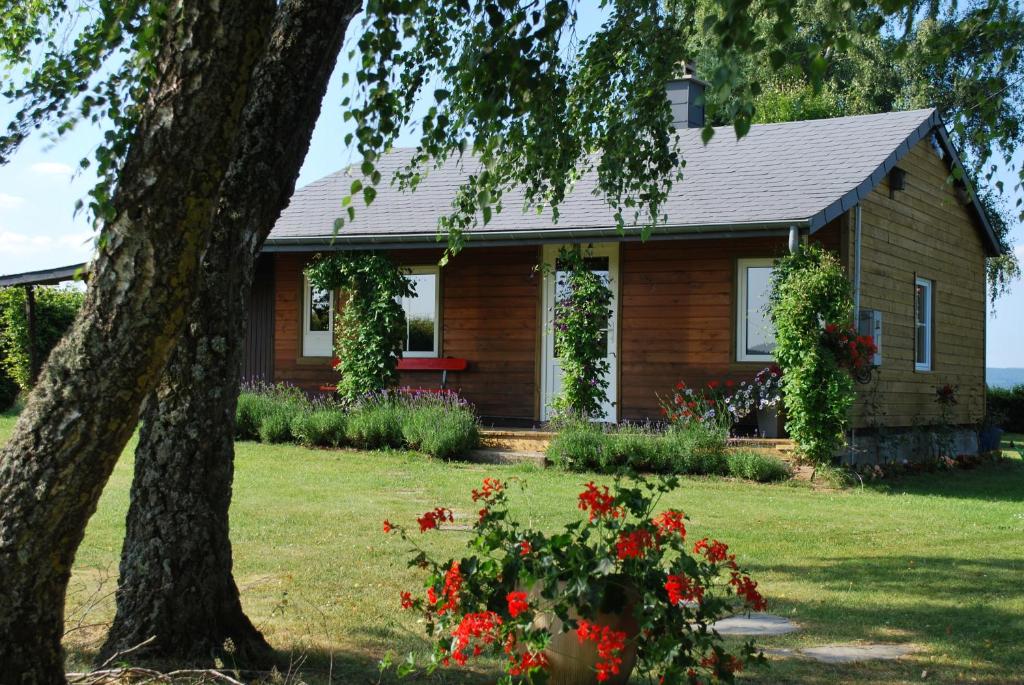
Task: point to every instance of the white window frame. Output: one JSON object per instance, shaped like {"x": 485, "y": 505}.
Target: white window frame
{"x": 741, "y": 308}
{"x": 316, "y": 343}
{"x": 436, "y": 272}
{"x": 928, "y": 323}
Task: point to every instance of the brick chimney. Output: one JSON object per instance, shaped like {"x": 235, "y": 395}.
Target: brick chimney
{"x": 686, "y": 96}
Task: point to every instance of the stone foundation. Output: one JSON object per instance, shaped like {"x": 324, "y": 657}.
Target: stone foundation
{"x": 908, "y": 446}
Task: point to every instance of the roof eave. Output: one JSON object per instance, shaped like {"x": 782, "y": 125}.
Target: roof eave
{"x": 45, "y": 276}
{"x": 532, "y": 237}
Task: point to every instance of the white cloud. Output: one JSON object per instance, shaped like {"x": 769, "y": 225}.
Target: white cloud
{"x": 52, "y": 169}
{"x": 11, "y": 201}
{"x": 25, "y": 252}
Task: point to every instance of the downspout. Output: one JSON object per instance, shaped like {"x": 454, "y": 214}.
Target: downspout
{"x": 794, "y": 238}
{"x": 856, "y": 300}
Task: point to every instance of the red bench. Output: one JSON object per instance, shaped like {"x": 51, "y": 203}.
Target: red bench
{"x": 442, "y": 364}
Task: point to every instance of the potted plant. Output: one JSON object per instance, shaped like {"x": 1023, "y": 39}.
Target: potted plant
{"x": 620, "y": 586}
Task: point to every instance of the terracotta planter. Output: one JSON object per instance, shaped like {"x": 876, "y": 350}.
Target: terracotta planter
{"x": 574, "y": 663}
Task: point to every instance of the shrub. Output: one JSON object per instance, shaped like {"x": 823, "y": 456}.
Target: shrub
{"x": 276, "y": 426}
{"x": 56, "y": 308}
{"x": 698, "y": 449}
{"x": 811, "y": 304}
{"x": 637, "y": 447}
{"x": 1006, "y": 406}
{"x": 265, "y": 412}
{"x": 578, "y": 446}
{"x": 320, "y": 427}
{"x": 249, "y": 413}
{"x": 372, "y": 325}
{"x": 753, "y": 465}
{"x": 8, "y": 390}
{"x": 442, "y": 426}
{"x": 375, "y": 424}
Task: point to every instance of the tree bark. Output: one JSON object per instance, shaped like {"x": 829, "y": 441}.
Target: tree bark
{"x": 86, "y": 404}
{"x": 176, "y": 580}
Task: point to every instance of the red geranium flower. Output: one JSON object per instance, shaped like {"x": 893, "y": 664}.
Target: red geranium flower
{"x": 434, "y": 519}
{"x": 610, "y": 644}
{"x": 598, "y": 502}
{"x": 517, "y": 603}
{"x": 681, "y": 588}
{"x": 633, "y": 545}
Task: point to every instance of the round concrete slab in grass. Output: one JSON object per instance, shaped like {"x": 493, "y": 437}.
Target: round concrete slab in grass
{"x": 755, "y": 624}
{"x": 844, "y": 654}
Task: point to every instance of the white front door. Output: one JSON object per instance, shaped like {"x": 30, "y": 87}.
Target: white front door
{"x": 604, "y": 260}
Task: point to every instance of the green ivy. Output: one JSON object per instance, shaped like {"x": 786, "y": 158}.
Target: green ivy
{"x": 55, "y": 310}
{"x": 370, "y": 330}
{"x": 810, "y": 290}
{"x": 582, "y": 312}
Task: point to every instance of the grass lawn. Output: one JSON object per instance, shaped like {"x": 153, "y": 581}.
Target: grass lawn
{"x": 934, "y": 560}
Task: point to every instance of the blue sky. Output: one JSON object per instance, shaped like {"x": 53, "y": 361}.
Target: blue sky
{"x": 38, "y": 191}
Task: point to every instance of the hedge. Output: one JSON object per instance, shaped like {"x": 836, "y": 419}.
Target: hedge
{"x": 1006, "y": 408}
{"x": 55, "y": 309}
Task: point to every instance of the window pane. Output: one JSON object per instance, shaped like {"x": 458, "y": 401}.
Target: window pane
{"x": 921, "y": 315}
{"x": 420, "y": 315}
{"x": 319, "y": 310}
{"x": 759, "y": 332}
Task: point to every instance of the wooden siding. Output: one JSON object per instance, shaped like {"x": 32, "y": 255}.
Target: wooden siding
{"x": 489, "y": 315}
{"x": 678, "y": 314}
{"x": 923, "y": 232}
{"x": 258, "y": 355}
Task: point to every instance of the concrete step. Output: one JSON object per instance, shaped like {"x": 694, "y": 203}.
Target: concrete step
{"x": 506, "y": 456}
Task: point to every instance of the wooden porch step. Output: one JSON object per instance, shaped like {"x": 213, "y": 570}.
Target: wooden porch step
{"x": 515, "y": 440}
{"x": 506, "y": 456}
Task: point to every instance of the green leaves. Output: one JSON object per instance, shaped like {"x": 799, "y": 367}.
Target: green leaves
{"x": 370, "y": 331}
{"x": 810, "y": 289}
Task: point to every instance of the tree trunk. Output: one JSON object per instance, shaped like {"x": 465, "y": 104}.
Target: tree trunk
{"x": 86, "y": 404}
{"x": 175, "y": 574}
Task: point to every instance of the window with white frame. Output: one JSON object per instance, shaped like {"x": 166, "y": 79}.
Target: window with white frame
{"x": 317, "y": 321}
{"x": 755, "y": 336}
{"x": 923, "y": 317}
{"x": 422, "y": 320}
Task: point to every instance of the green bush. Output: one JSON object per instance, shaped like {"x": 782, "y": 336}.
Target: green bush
{"x": 811, "y": 296}
{"x": 375, "y": 425}
{"x": 1006, "y": 407}
{"x": 639, "y": 448}
{"x": 578, "y": 446}
{"x": 753, "y": 465}
{"x": 698, "y": 449}
{"x": 265, "y": 412}
{"x": 320, "y": 427}
{"x": 276, "y": 426}
{"x": 8, "y": 390}
{"x": 55, "y": 309}
{"x": 440, "y": 428}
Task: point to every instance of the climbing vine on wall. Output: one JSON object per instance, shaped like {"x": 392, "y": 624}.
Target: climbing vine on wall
{"x": 582, "y": 312}
{"x": 370, "y": 329}
{"x": 810, "y": 294}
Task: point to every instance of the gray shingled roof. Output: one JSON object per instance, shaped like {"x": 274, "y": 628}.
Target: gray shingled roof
{"x": 804, "y": 173}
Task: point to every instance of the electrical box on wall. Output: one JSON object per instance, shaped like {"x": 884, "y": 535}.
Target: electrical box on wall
{"x": 871, "y": 324}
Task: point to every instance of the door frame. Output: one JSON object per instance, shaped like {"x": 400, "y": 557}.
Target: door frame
{"x": 549, "y": 256}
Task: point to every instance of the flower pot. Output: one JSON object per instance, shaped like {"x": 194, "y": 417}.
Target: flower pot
{"x": 768, "y": 422}
{"x": 572, "y": 662}
{"x": 989, "y": 439}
